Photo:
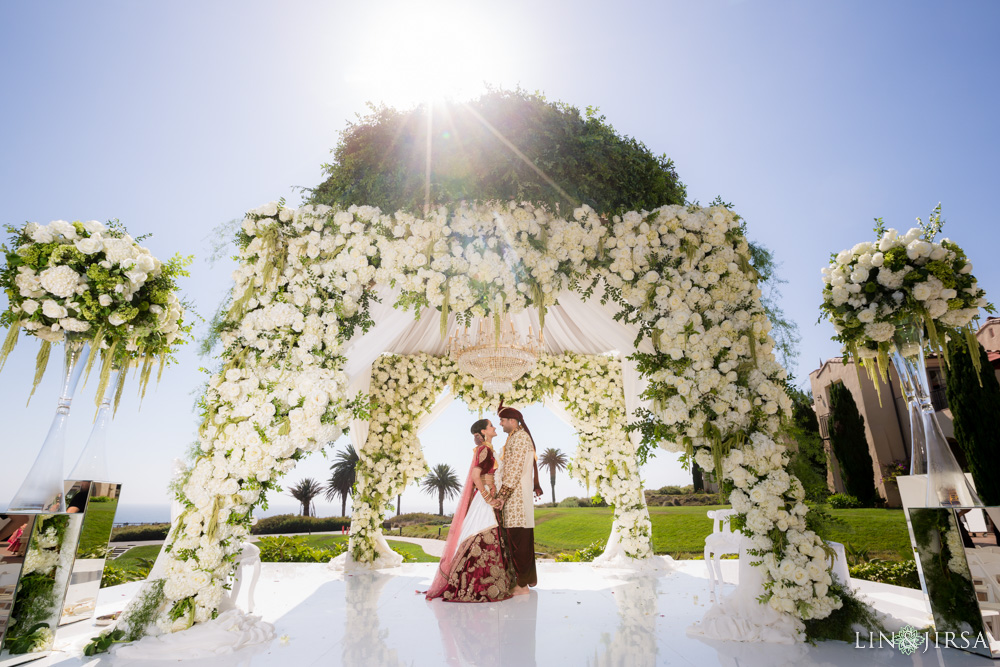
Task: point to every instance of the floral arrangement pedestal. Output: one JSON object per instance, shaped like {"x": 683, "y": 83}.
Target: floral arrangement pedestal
{"x": 44, "y": 576}
{"x": 958, "y": 576}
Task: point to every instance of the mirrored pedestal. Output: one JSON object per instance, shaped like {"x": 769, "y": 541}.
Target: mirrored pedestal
{"x": 961, "y": 571}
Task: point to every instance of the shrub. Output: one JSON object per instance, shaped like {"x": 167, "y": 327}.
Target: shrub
{"x": 585, "y": 555}
{"x": 418, "y": 518}
{"x": 292, "y": 523}
{"x": 380, "y": 158}
{"x": 282, "y": 549}
{"x": 673, "y": 489}
{"x": 901, "y": 573}
{"x": 153, "y": 531}
{"x": 101, "y": 499}
{"x": 573, "y": 501}
{"x": 850, "y": 446}
{"x": 843, "y": 501}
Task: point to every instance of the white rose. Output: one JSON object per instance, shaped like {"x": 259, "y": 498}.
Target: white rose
{"x": 52, "y": 309}
{"x": 94, "y": 227}
{"x": 40, "y": 233}
{"x": 104, "y": 300}
{"x": 116, "y": 320}
{"x": 89, "y": 246}
{"x": 29, "y": 306}
{"x": 64, "y": 228}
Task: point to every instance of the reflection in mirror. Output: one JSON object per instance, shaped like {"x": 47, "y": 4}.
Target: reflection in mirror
{"x": 15, "y": 531}
{"x": 38, "y": 596}
{"x": 982, "y": 551}
{"x": 85, "y": 583}
{"x": 960, "y": 573}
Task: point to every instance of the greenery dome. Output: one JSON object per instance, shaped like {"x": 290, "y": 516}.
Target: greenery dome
{"x": 505, "y": 145}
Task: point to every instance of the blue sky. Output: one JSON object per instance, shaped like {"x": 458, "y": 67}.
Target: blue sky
{"x": 812, "y": 118}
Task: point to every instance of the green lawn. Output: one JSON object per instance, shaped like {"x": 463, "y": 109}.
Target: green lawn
{"x": 321, "y": 541}
{"x": 681, "y": 531}
{"x": 677, "y": 531}
{"x": 133, "y": 556}
{"x": 96, "y": 530}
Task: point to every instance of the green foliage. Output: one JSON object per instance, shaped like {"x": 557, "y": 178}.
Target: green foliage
{"x": 843, "y": 501}
{"x": 31, "y": 612}
{"x": 673, "y": 489}
{"x": 505, "y": 145}
{"x": 343, "y": 477}
{"x": 291, "y": 523}
{"x": 942, "y": 559}
{"x": 132, "y": 624}
{"x": 585, "y": 555}
{"x": 853, "y": 616}
{"x": 856, "y": 555}
{"x": 971, "y": 395}
{"x": 849, "y": 445}
{"x": 901, "y": 573}
{"x": 293, "y": 549}
{"x": 116, "y": 575}
{"x": 153, "y": 531}
{"x": 808, "y": 458}
{"x": 443, "y": 481}
{"x": 554, "y": 460}
{"x": 574, "y": 501}
{"x": 102, "y": 499}
{"x": 416, "y": 518}
{"x": 304, "y": 492}
{"x": 821, "y": 522}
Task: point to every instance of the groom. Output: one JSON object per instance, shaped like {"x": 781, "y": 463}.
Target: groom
{"x": 519, "y": 479}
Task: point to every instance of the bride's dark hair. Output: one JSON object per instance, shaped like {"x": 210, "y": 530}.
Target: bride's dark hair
{"x": 480, "y": 426}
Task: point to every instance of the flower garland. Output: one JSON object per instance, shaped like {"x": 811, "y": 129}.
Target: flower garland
{"x": 302, "y": 290}
{"x": 406, "y": 387}
{"x": 874, "y": 287}
{"x": 88, "y": 279}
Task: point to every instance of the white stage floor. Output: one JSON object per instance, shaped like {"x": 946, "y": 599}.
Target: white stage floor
{"x": 578, "y": 615}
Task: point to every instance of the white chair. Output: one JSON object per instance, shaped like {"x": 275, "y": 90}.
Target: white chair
{"x": 723, "y": 540}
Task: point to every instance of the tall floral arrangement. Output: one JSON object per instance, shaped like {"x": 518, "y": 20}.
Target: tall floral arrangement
{"x": 874, "y": 287}
{"x": 92, "y": 280}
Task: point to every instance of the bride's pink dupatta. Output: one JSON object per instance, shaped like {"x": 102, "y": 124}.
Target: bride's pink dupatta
{"x": 455, "y": 531}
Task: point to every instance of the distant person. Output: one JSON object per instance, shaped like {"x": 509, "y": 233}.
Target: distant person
{"x": 474, "y": 567}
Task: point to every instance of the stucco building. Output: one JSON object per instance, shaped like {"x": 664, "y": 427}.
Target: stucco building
{"x": 887, "y": 424}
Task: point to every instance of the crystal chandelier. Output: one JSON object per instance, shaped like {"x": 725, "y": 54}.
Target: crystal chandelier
{"x": 496, "y": 358}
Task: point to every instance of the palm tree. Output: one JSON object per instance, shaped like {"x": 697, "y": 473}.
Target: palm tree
{"x": 444, "y": 482}
{"x": 304, "y": 492}
{"x": 342, "y": 480}
{"x": 555, "y": 460}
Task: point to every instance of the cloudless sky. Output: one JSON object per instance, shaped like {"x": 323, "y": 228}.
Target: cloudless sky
{"x": 811, "y": 118}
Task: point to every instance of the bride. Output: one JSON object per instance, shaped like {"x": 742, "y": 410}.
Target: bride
{"x": 474, "y": 567}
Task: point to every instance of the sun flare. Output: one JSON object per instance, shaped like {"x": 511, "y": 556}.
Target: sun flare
{"x": 430, "y": 51}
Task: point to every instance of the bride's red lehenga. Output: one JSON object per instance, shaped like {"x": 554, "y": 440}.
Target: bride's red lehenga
{"x": 474, "y": 566}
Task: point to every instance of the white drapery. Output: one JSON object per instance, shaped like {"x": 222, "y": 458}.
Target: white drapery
{"x": 574, "y": 325}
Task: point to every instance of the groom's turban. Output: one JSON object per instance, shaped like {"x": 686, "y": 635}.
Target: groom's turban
{"x": 511, "y": 413}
